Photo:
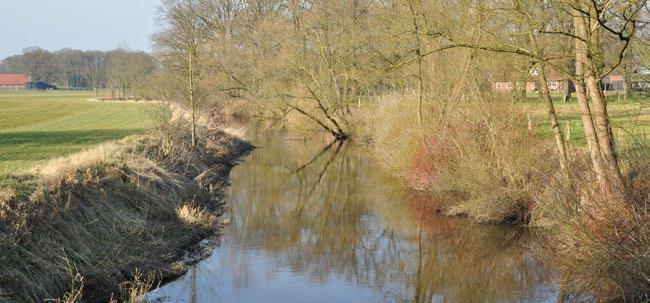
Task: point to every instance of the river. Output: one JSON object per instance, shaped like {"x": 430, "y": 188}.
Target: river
{"x": 318, "y": 222}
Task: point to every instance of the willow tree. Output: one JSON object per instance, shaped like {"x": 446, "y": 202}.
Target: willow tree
{"x": 593, "y": 22}
{"x": 294, "y": 56}
{"x": 588, "y": 24}
{"x": 330, "y": 66}
{"x": 179, "y": 45}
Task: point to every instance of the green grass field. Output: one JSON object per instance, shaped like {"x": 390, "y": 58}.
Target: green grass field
{"x": 630, "y": 120}
{"x": 37, "y": 126}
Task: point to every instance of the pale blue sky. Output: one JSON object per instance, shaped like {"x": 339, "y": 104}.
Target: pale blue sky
{"x": 79, "y": 24}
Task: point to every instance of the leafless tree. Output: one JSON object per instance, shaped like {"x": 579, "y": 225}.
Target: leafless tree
{"x": 180, "y": 44}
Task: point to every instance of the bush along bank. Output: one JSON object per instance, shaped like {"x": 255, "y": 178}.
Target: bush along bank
{"x": 81, "y": 226}
{"x": 481, "y": 160}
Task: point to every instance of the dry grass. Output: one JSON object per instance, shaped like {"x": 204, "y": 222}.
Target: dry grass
{"x": 134, "y": 291}
{"x": 59, "y": 168}
{"x": 493, "y": 167}
{"x": 193, "y": 215}
{"x": 108, "y": 212}
{"x": 472, "y": 155}
{"x": 603, "y": 243}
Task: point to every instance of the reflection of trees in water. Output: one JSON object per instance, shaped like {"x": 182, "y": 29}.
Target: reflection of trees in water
{"x": 458, "y": 260}
{"x": 315, "y": 209}
{"x": 194, "y": 291}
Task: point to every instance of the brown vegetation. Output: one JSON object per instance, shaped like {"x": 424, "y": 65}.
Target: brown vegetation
{"x": 444, "y": 129}
{"x": 475, "y": 166}
{"x": 601, "y": 243}
{"x": 473, "y": 157}
{"x": 126, "y": 209}
{"x": 421, "y": 79}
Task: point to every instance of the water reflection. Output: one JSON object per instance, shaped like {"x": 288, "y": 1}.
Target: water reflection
{"x": 316, "y": 222}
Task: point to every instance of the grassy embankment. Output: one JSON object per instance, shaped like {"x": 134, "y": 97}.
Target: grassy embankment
{"x": 37, "y": 126}
{"x": 82, "y": 226}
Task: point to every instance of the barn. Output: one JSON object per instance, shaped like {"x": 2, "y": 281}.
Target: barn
{"x": 39, "y": 85}
{"x": 13, "y": 81}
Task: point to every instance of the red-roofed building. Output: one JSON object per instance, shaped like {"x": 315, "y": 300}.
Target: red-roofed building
{"x": 613, "y": 83}
{"x": 13, "y": 81}
{"x": 554, "y": 81}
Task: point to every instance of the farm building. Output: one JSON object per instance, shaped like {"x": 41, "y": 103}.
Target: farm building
{"x": 613, "y": 83}
{"x": 554, "y": 81}
{"x": 13, "y": 81}
{"x": 641, "y": 79}
{"x": 39, "y": 85}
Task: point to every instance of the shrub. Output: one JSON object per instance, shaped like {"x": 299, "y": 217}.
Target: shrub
{"x": 603, "y": 243}
{"x": 473, "y": 154}
{"x": 396, "y": 142}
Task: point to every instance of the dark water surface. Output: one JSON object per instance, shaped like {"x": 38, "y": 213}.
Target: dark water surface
{"x": 313, "y": 222}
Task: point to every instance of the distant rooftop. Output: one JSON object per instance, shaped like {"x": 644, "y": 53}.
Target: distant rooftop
{"x": 14, "y": 79}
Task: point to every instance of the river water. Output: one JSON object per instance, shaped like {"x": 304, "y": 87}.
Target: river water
{"x": 319, "y": 222}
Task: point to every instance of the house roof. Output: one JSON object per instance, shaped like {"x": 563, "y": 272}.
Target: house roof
{"x": 13, "y": 79}
{"x": 615, "y": 78}
{"x": 550, "y": 73}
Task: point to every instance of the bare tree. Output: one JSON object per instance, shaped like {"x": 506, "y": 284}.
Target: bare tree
{"x": 40, "y": 64}
{"x": 127, "y": 70}
{"x": 180, "y": 45}
{"x": 592, "y": 22}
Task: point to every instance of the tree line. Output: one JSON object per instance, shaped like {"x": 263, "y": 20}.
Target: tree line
{"x": 319, "y": 58}
{"x": 124, "y": 72}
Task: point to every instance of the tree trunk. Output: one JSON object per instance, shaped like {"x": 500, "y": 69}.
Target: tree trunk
{"x": 418, "y": 53}
{"x": 566, "y": 91}
{"x": 337, "y": 134}
{"x": 190, "y": 79}
{"x": 557, "y": 131}
{"x": 603, "y": 125}
{"x": 599, "y": 135}
{"x": 555, "y": 125}
{"x": 583, "y": 103}
{"x": 627, "y": 68}
{"x": 193, "y": 127}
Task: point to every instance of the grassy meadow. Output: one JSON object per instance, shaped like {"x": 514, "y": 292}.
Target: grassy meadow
{"x": 38, "y": 126}
{"x": 630, "y": 120}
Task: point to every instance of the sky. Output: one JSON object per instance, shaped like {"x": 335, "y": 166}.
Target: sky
{"x": 78, "y": 24}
